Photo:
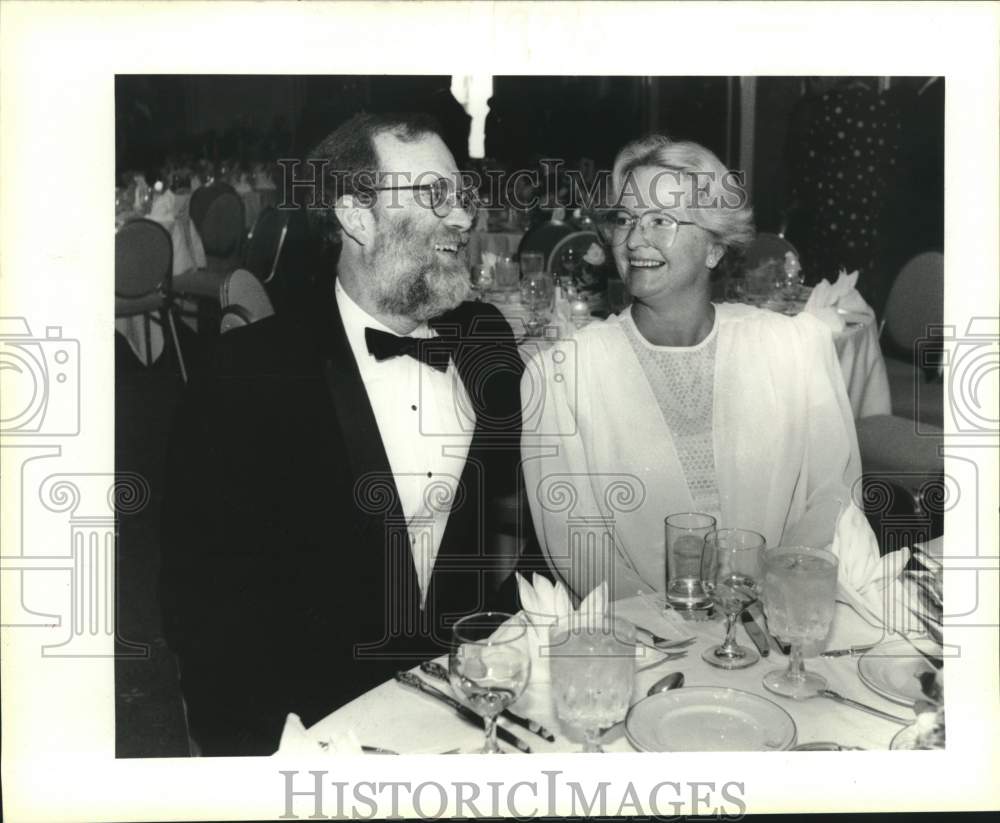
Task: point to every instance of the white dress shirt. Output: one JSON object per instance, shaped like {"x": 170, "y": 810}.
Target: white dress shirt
{"x": 425, "y": 420}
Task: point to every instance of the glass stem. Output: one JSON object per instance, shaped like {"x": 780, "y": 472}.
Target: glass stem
{"x": 592, "y": 740}
{"x": 729, "y": 647}
{"x": 491, "y": 746}
{"x": 796, "y": 670}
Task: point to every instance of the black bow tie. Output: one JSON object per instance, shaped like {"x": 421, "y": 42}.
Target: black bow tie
{"x": 434, "y": 351}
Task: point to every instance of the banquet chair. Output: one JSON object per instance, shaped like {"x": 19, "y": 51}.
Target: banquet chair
{"x": 543, "y": 238}
{"x": 901, "y": 451}
{"x": 898, "y": 515}
{"x": 243, "y": 300}
{"x": 143, "y": 268}
{"x": 766, "y": 246}
{"x": 264, "y": 244}
{"x": 217, "y": 214}
{"x": 910, "y": 337}
{"x": 579, "y": 241}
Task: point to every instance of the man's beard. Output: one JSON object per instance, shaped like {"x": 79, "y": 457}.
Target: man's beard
{"x": 412, "y": 279}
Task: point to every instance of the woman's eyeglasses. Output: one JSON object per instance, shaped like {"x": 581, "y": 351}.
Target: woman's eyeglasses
{"x": 440, "y": 196}
{"x": 658, "y": 227}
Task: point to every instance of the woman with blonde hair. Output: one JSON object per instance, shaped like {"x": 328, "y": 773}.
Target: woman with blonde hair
{"x": 677, "y": 404}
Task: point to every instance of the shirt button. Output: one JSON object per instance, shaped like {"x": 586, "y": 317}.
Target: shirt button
{"x": 429, "y": 474}
{"x": 413, "y": 407}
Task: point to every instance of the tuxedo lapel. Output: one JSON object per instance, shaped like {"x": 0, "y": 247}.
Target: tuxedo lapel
{"x": 368, "y": 463}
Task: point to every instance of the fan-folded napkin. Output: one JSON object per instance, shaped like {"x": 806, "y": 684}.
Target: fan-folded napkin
{"x": 489, "y": 261}
{"x": 868, "y": 583}
{"x": 829, "y": 301}
{"x": 543, "y": 605}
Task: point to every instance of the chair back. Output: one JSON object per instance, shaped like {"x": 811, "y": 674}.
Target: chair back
{"x": 543, "y": 238}
{"x": 217, "y": 212}
{"x": 143, "y": 259}
{"x": 766, "y": 246}
{"x": 916, "y": 300}
{"x": 243, "y": 299}
{"x": 265, "y": 242}
{"x": 579, "y": 241}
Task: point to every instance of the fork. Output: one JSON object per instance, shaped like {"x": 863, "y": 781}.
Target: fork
{"x": 658, "y": 642}
{"x": 667, "y": 657}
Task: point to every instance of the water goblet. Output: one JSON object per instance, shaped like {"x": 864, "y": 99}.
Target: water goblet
{"x": 489, "y": 666}
{"x": 532, "y": 263}
{"x": 592, "y": 659}
{"x": 730, "y": 574}
{"x": 799, "y": 591}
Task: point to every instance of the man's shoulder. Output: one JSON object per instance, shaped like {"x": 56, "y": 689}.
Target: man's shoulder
{"x": 273, "y": 345}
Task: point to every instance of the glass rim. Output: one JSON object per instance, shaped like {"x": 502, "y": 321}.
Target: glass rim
{"x": 825, "y": 554}
{"x": 513, "y": 622}
{"x": 763, "y": 540}
{"x": 666, "y": 520}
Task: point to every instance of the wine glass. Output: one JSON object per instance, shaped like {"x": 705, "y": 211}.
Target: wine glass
{"x": 489, "y": 665}
{"x": 481, "y": 278}
{"x": 532, "y": 262}
{"x": 730, "y": 574}
{"x": 572, "y": 262}
{"x": 592, "y": 659}
{"x": 536, "y": 295}
{"x": 799, "y": 590}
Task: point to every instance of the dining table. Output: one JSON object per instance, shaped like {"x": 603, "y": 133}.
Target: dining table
{"x": 395, "y": 718}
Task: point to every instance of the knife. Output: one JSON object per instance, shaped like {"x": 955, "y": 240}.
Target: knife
{"x": 467, "y": 714}
{"x": 438, "y": 671}
{"x": 756, "y": 634}
{"x": 853, "y": 651}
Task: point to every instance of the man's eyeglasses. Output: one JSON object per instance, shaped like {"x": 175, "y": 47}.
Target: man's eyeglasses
{"x": 658, "y": 227}
{"x": 440, "y": 196}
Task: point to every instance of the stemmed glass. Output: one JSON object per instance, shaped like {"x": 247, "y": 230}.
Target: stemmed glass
{"x": 536, "y": 295}
{"x": 730, "y": 574}
{"x": 572, "y": 262}
{"x": 592, "y": 659}
{"x": 799, "y": 591}
{"x": 489, "y": 665}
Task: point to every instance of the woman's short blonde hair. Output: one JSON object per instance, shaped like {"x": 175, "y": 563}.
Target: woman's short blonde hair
{"x": 721, "y": 205}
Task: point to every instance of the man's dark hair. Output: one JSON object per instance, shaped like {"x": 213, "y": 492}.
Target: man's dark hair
{"x": 351, "y": 158}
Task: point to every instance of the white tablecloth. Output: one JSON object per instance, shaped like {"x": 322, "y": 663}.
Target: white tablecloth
{"x": 394, "y": 717}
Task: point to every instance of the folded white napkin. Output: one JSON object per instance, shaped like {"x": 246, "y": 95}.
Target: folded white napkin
{"x": 829, "y": 301}
{"x": 543, "y": 605}
{"x": 489, "y": 260}
{"x": 297, "y": 740}
{"x": 866, "y": 582}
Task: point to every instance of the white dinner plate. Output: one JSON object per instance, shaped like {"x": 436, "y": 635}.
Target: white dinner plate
{"x": 709, "y": 719}
{"x": 891, "y": 669}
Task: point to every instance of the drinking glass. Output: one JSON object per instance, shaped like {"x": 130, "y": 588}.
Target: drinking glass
{"x": 571, "y": 261}
{"x": 799, "y": 590}
{"x": 532, "y": 262}
{"x": 685, "y": 539}
{"x": 536, "y": 296}
{"x": 592, "y": 659}
{"x": 506, "y": 273}
{"x": 481, "y": 278}
{"x": 730, "y": 574}
{"x": 489, "y": 665}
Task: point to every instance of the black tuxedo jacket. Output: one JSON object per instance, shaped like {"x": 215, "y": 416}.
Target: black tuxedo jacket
{"x": 287, "y": 580}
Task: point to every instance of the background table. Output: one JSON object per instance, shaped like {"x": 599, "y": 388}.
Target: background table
{"x": 394, "y": 717}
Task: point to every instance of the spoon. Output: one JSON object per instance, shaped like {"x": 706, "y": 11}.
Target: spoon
{"x": 674, "y": 680}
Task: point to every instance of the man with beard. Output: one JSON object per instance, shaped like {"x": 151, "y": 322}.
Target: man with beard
{"x": 328, "y": 508}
